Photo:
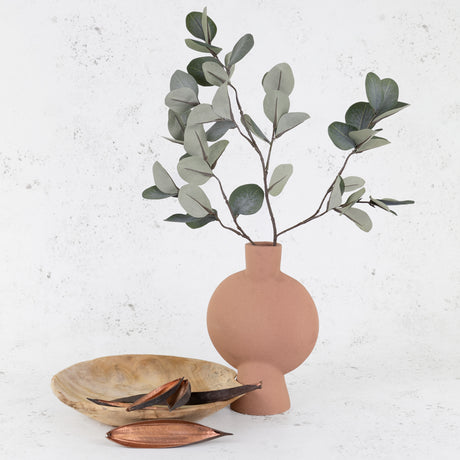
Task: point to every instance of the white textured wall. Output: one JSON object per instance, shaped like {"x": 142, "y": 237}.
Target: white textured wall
{"x": 88, "y": 268}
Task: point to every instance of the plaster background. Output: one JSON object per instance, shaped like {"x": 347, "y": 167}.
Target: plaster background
{"x": 89, "y": 269}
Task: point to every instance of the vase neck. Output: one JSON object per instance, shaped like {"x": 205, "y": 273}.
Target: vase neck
{"x": 263, "y": 260}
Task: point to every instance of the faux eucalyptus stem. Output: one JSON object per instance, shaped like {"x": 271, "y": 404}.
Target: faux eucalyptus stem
{"x": 187, "y": 117}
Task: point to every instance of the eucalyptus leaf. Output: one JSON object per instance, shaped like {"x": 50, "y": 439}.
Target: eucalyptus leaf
{"x": 289, "y": 121}
{"x": 218, "y": 129}
{"x": 154, "y": 193}
{"x": 194, "y": 22}
{"x": 242, "y": 47}
{"x": 195, "y": 69}
{"x": 194, "y": 170}
{"x": 374, "y": 91}
{"x": 392, "y": 202}
{"x": 181, "y": 100}
{"x": 359, "y": 217}
{"x": 201, "y": 222}
{"x": 204, "y": 25}
{"x": 354, "y": 197}
{"x": 195, "y": 141}
{"x": 246, "y": 199}
{"x": 352, "y": 183}
{"x": 185, "y": 155}
{"x": 380, "y": 204}
{"x": 175, "y": 141}
{"x": 361, "y": 137}
{"x": 373, "y": 143}
{"x": 335, "y": 198}
{"x": 279, "y": 78}
{"x": 390, "y": 94}
{"x": 182, "y": 218}
{"x": 214, "y": 73}
{"x": 399, "y": 106}
{"x": 276, "y": 103}
{"x": 250, "y": 123}
{"x": 181, "y": 79}
{"x": 202, "y": 113}
{"x": 194, "y": 201}
{"x": 215, "y": 151}
{"x": 163, "y": 180}
{"x": 280, "y": 176}
{"x": 221, "y": 103}
{"x": 202, "y": 47}
{"x": 176, "y": 124}
{"x": 338, "y": 132}
{"x": 360, "y": 115}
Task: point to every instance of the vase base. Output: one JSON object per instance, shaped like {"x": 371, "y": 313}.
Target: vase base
{"x": 271, "y": 399}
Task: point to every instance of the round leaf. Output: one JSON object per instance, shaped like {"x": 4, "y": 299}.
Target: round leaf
{"x": 338, "y": 132}
{"x": 362, "y": 136}
{"x": 242, "y": 47}
{"x": 180, "y": 79}
{"x": 198, "y": 223}
{"x": 373, "y": 143}
{"x": 221, "y": 103}
{"x": 289, "y": 121}
{"x": 154, "y": 193}
{"x": 214, "y": 73}
{"x": 250, "y": 123}
{"x": 360, "y": 115}
{"x": 218, "y": 129}
{"x": 195, "y": 69}
{"x": 390, "y": 94}
{"x": 374, "y": 91}
{"x": 202, "y": 47}
{"x": 194, "y": 201}
{"x": 181, "y": 100}
{"x": 280, "y": 176}
{"x": 163, "y": 180}
{"x": 335, "y": 199}
{"x": 352, "y": 183}
{"x": 360, "y": 218}
{"x": 193, "y": 22}
{"x": 279, "y": 78}
{"x": 215, "y": 151}
{"x": 194, "y": 170}
{"x": 246, "y": 199}
{"x": 176, "y": 124}
{"x": 202, "y": 113}
{"x": 399, "y": 106}
{"x": 195, "y": 141}
{"x": 276, "y": 103}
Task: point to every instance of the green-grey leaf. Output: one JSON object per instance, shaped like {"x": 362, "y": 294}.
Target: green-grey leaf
{"x": 221, "y": 103}
{"x": 373, "y": 143}
{"x": 195, "y": 141}
{"x": 214, "y": 73}
{"x": 202, "y": 47}
{"x": 183, "y": 218}
{"x": 354, "y": 197}
{"x": 280, "y": 176}
{"x": 380, "y": 204}
{"x": 198, "y": 223}
{"x": 362, "y": 136}
{"x": 218, "y": 129}
{"x": 181, "y": 100}
{"x": 175, "y": 141}
{"x": 276, "y": 103}
{"x": 279, "y": 78}
{"x": 390, "y": 95}
{"x": 246, "y": 199}
{"x": 250, "y": 123}
{"x": 360, "y": 218}
{"x": 193, "y": 22}
{"x": 352, "y": 183}
{"x": 360, "y": 115}
{"x": 195, "y": 69}
{"x": 335, "y": 199}
{"x": 194, "y": 170}
{"x": 242, "y": 47}
{"x": 180, "y": 79}
{"x": 215, "y": 151}
{"x": 374, "y": 91}
{"x": 154, "y": 193}
{"x": 289, "y": 121}
{"x": 392, "y": 202}
{"x": 399, "y": 106}
{"x": 176, "y": 124}
{"x": 204, "y": 24}
{"x": 163, "y": 180}
{"x": 338, "y": 132}
{"x": 202, "y": 113}
{"x": 194, "y": 201}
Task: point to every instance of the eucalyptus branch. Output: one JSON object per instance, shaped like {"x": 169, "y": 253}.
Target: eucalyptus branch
{"x": 318, "y": 212}
{"x": 229, "y": 228}
{"x": 238, "y": 226}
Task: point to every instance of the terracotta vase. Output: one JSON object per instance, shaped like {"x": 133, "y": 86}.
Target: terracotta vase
{"x": 265, "y": 324}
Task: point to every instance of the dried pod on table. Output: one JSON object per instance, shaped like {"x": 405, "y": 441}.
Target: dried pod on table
{"x": 205, "y": 397}
{"x": 157, "y": 396}
{"x": 181, "y": 396}
{"x": 163, "y": 433}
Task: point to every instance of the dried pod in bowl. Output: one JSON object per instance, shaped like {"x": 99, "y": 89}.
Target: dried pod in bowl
{"x": 205, "y": 397}
{"x": 181, "y": 396}
{"x": 163, "y": 433}
{"x": 157, "y": 396}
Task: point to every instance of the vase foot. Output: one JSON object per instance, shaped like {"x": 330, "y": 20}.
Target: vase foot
{"x": 272, "y": 398}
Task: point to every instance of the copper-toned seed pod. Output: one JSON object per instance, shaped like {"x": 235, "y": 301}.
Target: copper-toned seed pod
{"x": 163, "y": 433}
{"x": 103, "y": 402}
{"x": 129, "y": 399}
{"x": 204, "y": 397}
{"x": 157, "y": 396}
{"x": 181, "y": 396}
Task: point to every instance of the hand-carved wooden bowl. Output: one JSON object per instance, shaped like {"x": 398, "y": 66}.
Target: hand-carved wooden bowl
{"x": 113, "y": 377}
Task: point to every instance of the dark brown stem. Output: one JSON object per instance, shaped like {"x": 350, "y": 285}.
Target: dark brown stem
{"x": 243, "y": 233}
{"x": 318, "y": 212}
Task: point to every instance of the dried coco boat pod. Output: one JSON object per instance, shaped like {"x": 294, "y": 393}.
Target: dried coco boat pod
{"x": 157, "y": 396}
{"x": 181, "y": 396}
{"x": 205, "y": 397}
{"x": 113, "y": 403}
{"x": 163, "y": 433}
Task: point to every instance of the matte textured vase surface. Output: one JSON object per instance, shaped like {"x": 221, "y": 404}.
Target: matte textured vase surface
{"x": 265, "y": 324}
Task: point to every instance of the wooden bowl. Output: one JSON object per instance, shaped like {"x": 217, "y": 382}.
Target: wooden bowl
{"x": 113, "y": 377}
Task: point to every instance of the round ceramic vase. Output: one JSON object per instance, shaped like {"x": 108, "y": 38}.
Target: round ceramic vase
{"x": 265, "y": 324}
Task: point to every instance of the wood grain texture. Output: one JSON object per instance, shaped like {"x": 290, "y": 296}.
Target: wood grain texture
{"x": 112, "y": 377}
